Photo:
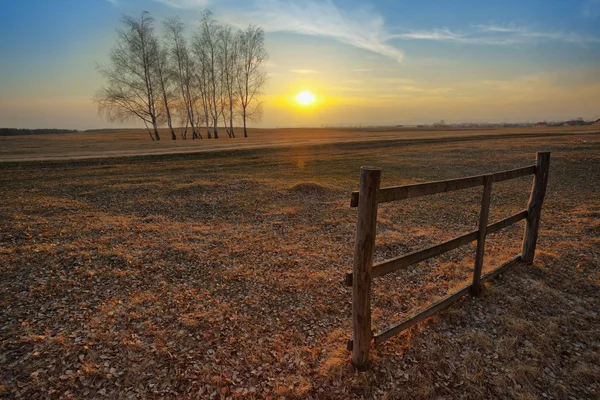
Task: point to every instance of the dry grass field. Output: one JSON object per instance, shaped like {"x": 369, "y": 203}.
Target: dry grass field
{"x": 219, "y": 275}
{"x": 137, "y": 142}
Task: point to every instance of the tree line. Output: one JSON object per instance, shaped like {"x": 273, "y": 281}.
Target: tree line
{"x": 194, "y": 83}
{"x": 17, "y": 132}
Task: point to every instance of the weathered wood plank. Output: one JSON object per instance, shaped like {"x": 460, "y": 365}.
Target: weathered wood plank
{"x": 354, "y": 199}
{"x": 421, "y": 255}
{"x": 513, "y": 173}
{"x": 425, "y": 189}
{"x": 363, "y": 260}
{"x": 440, "y": 304}
{"x": 404, "y": 261}
{"x": 421, "y": 315}
{"x": 534, "y": 208}
{"x": 483, "y": 222}
{"x": 429, "y": 188}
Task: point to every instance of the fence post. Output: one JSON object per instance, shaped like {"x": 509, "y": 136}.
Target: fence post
{"x": 534, "y": 207}
{"x": 483, "y": 221}
{"x": 366, "y": 226}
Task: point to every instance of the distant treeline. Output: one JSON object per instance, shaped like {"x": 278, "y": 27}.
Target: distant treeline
{"x": 17, "y": 132}
{"x": 112, "y": 129}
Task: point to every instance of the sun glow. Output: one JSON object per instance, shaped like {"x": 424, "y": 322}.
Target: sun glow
{"x": 305, "y": 98}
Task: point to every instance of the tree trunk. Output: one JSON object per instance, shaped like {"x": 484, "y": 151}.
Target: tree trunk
{"x": 245, "y": 130}
{"x": 231, "y": 134}
{"x": 194, "y": 134}
{"x": 207, "y": 125}
{"x": 155, "y": 129}
{"x": 215, "y": 129}
{"x": 173, "y": 135}
{"x": 184, "y": 133}
{"x": 149, "y": 131}
{"x": 225, "y": 124}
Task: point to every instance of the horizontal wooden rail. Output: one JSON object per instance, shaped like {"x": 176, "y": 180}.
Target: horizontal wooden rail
{"x": 414, "y": 257}
{"x": 424, "y": 189}
{"x": 439, "y": 305}
{"x": 421, "y": 315}
{"x": 367, "y": 200}
{"x": 502, "y": 176}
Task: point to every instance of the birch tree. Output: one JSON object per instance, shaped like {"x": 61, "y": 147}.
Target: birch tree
{"x": 184, "y": 69}
{"x": 165, "y": 80}
{"x": 133, "y": 90}
{"x": 218, "y": 75}
{"x": 228, "y": 61}
{"x": 207, "y": 47}
{"x": 250, "y": 75}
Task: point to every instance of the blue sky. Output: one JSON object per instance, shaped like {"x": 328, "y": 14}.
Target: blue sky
{"x": 377, "y": 62}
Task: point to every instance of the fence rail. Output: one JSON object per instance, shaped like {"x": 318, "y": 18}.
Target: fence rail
{"x": 367, "y": 199}
{"x": 425, "y": 189}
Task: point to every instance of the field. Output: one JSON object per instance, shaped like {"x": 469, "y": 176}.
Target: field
{"x": 86, "y": 145}
{"x": 219, "y": 274}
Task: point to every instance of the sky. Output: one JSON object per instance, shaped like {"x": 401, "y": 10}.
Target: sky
{"x": 381, "y": 62}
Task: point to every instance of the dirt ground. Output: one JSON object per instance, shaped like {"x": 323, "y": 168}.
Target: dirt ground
{"x": 220, "y": 274}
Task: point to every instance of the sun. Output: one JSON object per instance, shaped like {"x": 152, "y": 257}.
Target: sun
{"x": 305, "y": 98}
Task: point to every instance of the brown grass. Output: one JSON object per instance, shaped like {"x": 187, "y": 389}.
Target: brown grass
{"x": 219, "y": 275}
{"x": 137, "y": 142}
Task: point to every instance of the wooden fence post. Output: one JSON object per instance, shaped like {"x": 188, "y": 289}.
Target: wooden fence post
{"x": 481, "y": 234}
{"x": 534, "y": 207}
{"x": 366, "y": 226}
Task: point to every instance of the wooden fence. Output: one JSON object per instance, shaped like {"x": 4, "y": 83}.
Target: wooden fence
{"x": 367, "y": 199}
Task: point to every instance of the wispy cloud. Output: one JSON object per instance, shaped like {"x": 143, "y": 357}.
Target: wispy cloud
{"x": 113, "y": 2}
{"x": 304, "y": 71}
{"x": 365, "y": 29}
{"x": 527, "y": 35}
{"x": 184, "y": 4}
{"x": 434, "y": 34}
{"x": 360, "y": 28}
{"x": 497, "y": 35}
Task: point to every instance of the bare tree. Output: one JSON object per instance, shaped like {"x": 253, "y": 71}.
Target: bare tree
{"x": 250, "y": 76}
{"x": 219, "y": 75}
{"x": 207, "y": 48}
{"x": 180, "y": 115}
{"x": 184, "y": 69}
{"x": 133, "y": 87}
{"x": 165, "y": 79}
{"x": 228, "y": 61}
{"x": 202, "y": 84}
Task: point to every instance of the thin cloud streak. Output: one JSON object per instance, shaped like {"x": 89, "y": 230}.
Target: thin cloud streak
{"x": 526, "y": 34}
{"x": 367, "y": 30}
{"x": 361, "y": 29}
{"x": 304, "y": 71}
{"x": 497, "y": 35}
{"x": 184, "y": 4}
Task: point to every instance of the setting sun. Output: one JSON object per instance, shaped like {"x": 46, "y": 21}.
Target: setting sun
{"x": 305, "y": 97}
